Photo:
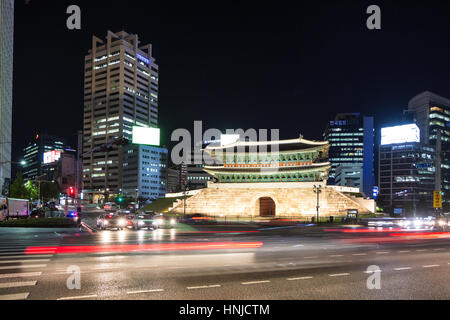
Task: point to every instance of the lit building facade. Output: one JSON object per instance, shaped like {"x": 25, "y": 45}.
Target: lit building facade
{"x": 120, "y": 91}
{"x": 351, "y": 138}
{"x": 406, "y": 178}
{"x": 62, "y": 170}
{"x": 145, "y": 172}
{"x": 431, "y": 112}
{"x": 349, "y": 175}
{"x": 6, "y": 77}
{"x": 33, "y": 154}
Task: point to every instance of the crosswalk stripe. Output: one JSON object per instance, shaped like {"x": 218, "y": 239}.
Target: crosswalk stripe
{"x": 19, "y": 275}
{"x": 17, "y": 284}
{"x": 24, "y": 261}
{"x": 16, "y": 296}
{"x": 23, "y": 266}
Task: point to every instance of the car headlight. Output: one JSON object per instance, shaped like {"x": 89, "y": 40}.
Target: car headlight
{"x": 442, "y": 223}
{"x": 105, "y": 222}
{"x": 157, "y": 222}
{"x": 121, "y": 222}
{"x": 172, "y": 221}
{"x": 141, "y": 223}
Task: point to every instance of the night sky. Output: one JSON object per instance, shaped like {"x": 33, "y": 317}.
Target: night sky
{"x": 258, "y": 65}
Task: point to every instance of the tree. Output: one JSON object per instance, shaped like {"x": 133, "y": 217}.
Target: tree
{"x": 49, "y": 190}
{"x": 32, "y": 190}
{"x": 18, "y": 189}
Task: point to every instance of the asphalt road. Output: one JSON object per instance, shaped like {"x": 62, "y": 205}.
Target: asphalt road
{"x": 223, "y": 262}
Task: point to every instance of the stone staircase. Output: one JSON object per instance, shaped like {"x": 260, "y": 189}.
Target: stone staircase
{"x": 292, "y": 202}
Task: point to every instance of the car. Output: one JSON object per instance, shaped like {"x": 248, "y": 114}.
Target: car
{"x": 144, "y": 220}
{"x": 111, "y": 221}
{"x": 110, "y": 207}
{"x": 197, "y": 218}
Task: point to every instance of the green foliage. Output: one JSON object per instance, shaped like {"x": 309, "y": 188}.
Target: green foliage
{"x": 32, "y": 190}
{"x": 49, "y": 190}
{"x": 18, "y": 189}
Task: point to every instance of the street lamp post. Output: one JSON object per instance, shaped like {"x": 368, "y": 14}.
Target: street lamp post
{"x": 317, "y": 190}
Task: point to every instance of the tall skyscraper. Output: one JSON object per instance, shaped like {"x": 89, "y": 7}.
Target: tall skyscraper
{"x": 351, "y": 138}
{"x": 431, "y": 112}
{"x": 120, "y": 91}
{"x": 6, "y": 74}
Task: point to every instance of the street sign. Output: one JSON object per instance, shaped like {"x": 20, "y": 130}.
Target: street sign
{"x": 437, "y": 199}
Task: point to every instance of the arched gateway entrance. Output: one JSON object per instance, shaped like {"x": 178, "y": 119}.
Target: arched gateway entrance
{"x": 266, "y": 207}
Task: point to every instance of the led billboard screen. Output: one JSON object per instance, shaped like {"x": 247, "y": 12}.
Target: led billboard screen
{"x": 51, "y": 156}
{"x": 400, "y": 134}
{"x": 146, "y": 136}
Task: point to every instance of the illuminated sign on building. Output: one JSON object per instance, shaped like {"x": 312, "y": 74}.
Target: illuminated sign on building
{"x": 52, "y": 156}
{"x": 228, "y": 139}
{"x": 146, "y": 136}
{"x": 400, "y": 134}
{"x": 142, "y": 58}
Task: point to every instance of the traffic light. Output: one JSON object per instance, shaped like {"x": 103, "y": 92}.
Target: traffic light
{"x": 120, "y": 199}
{"x": 71, "y": 191}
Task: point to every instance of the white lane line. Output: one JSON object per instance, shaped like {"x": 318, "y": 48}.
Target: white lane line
{"x": 145, "y": 291}
{"x": 336, "y": 255}
{"x": 439, "y": 249}
{"x": 405, "y": 268}
{"x": 339, "y": 274}
{"x": 27, "y": 256}
{"x": 359, "y": 254}
{"x": 17, "y": 284}
{"x": 16, "y": 296}
{"x": 23, "y": 266}
{"x": 24, "y": 261}
{"x": 420, "y": 250}
{"x": 314, "y": 257}
{"x": 78, "y": 297}
{"x": 372, "y": 271}
{"x": 403, "y": 251}
{"x": 255, "y": 282}
{"x": 204, "y": 287}
{"x": 382, "y": 252}
{"x": 431, "y": 266}
{"x": 18, "y": 275}
{"x": 299, "y": 278}
{"x": 298, "y": 245}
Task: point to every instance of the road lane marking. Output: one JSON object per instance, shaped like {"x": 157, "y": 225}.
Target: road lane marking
{"x": 336, "y": 255}
{"x": 25, "y": 256}
{"x": 17, "y": 284}
{"x": 16, "y": 296}
{"x": 311, "y": 257}
{"x": 439, "y": 249}
{"x": 382, "y": 252}
{"x": 17, "y": 275}
{"x": 339, "y": 274}
{"x": 420, "y": 250}
{"x": 145, "y": 291}
{"x": 403, "y": 251}
{"x": 405, "y": 268}
{"x": 372, "y": 271}
{"x": 359, "y": 254}
{"x": 255, "y": 282}
{"x": 431, "y": 266}
{"x": 299, "y": 278}
{"x": 24, "y": 261}
{"x": 78, "y": 297}
{"x": 299, "y": 245}
{"x": 23, "y": 266}
{"x": 204, "y": 287}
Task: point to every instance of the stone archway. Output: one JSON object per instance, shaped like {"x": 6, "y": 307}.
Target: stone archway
{"x": 267, "y": 207}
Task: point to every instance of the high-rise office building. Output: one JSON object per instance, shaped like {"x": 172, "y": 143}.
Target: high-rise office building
{"x": 6, "y": 74}
{"x": 351, "y": 138}
{"x": 43, "y": 149}
{"x": 431, "y": 112}
{"x": 120, "y": 91}
{"x": 405, "y": 172}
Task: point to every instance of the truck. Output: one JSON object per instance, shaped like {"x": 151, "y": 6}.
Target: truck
{"x": 14, "y": 208}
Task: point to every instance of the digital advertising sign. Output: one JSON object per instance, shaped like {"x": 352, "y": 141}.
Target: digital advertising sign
{"x": 52, "y": 156}
{"x": 146, "y": 136}
{"x": 400, "y": 134}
